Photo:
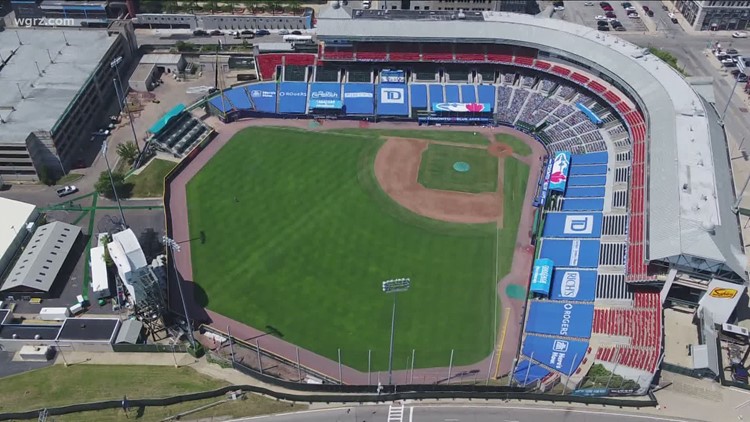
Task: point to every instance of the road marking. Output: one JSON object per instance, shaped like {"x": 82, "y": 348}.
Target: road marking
{"x": 396, "y": 412}
{"x": 411, "y": 414}
{"x": 502, "y": 342}
{"x": 567, "y": 409}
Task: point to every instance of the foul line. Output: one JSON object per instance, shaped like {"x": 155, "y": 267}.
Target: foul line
{"x": 502, "y": 342}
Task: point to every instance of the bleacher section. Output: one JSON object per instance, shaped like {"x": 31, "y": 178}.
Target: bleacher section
{"x": 181, "y": 134}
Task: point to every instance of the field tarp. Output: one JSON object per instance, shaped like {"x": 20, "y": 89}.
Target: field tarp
{"x": 560, "y": 354}
{"x": 418, "y": 96}
{"x": 263, "y": 96}
{"x": 567, "y": 225}
{"x": 564, "y": 319}
{"x": 582, "y": 253}
{"x": 573, "y": 284}
{"x": 393, "y": 100}
{"x": 293, "y": 97}
{"x": 359, "y": 98}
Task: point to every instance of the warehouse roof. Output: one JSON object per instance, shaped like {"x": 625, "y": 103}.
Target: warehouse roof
{"x": 130, "y": 330}
{"x": 161, "y": 58}
{"x": 32, "y": 100}
{"x": 15, "y": 215}
{"x": 90, "y": 329}
{"x": 41, "y": 261}
{"x": 684, "y": 199}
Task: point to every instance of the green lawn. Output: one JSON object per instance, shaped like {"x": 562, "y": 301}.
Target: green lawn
{"x": 456, "y": 137}
{"x": 518, "y": 146}
{"x": 149, "y": 183}
{"x": 299, "y": 237}
{"x": 436, "y": 170}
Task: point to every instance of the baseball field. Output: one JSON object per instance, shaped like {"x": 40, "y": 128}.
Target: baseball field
{"x": 301, "y": 227}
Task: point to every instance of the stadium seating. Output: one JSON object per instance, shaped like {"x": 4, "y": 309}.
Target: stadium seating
{"x": 267, "y": 64}
{"x": 542, "y": 65}
{"x": 371, "y": 52}
{"x": 498, "y": 53}
{"x": 407, "y": 52}
{"x": 562, "y": 71}
{"x": 524, "y": 56}
{"x": 471, "y": 53}
{"x": 437, "y": 53}
{"x": 338, "y": 53}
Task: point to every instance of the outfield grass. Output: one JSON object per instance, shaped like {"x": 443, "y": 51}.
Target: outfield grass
{"x": 149, "y": 183}
{"x": 436, "y": 170}
{"x": 58, "y": 385}
{"x": 456, "y": 137}
{"x": 299, "y": 237}
{"x": 518, "y": 146}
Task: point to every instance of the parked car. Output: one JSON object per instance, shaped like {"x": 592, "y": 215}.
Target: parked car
{"x": 610, "y": 15}
{"x": 247, "y": 32}
{"x": 66, "y": 190}
{"x": 200, "y": 33}
{"x": 739, "y": 34}
{"x": 262, "y": 32}
{"x": 741, "y": 77}
{"x": 603, "y": 3}
{"x": 607, "y": 8}
{"x": 216, "y": 32}
{"x": 296, "y": 32}
{"x": 603, "y": 28}
{"x": 630, "y": 9}
{"x": 646, "y": 8}
{"x": 615, "y": 23}
{"x": 588, "y": 3}
{"x": 650, "y": 13}
{"x": 733, "y": 52}
{"x": 102, "y": 132}
{"x": 620, "y": 28}
{"x": 600, "y": 17}
{"x": 674, "y": 20}
{"x": 633, "y": 15}
{"x": 625, "y": 5}
{"x": 602, "y": 23}
{"x": 283, "y": 32}
{"x": 664, "y": 7}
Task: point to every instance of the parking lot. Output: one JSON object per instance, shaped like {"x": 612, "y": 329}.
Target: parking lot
{"x": 586, "y": 13}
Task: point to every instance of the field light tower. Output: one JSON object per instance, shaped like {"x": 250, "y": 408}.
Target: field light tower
{"x": 112, "y": 182}
{"x": 175, "y": 247}
{"x": 394, "y": 286}
{"x": 114, "y": 64}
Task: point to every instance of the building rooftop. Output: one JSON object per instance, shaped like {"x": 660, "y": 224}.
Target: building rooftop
{"x": 32, "y": 100}
{"x": 129, "y": 331}
{"x": 680, "y": 145}
{"x": 41, "y": 261}
{"x": 142, "y": 71}
{"x": 428, "y": 15}
{"x": 15, "y": 215}
{"x": 28, "y": 331}
{"x": 91, "y": 329}
{"x": 161, "y": 58}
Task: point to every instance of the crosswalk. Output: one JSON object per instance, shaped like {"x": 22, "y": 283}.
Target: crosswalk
{"x": 397, "y": 412}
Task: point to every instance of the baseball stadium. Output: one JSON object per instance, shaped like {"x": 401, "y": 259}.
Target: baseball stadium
{"x": 544, "y": 187}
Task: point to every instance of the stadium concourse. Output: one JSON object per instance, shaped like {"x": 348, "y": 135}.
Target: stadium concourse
{"x": 626, "y": 207}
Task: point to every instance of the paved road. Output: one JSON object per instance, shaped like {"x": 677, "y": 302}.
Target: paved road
{"x": 460, "y": 414}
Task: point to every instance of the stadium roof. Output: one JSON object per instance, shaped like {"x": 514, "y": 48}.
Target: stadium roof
{"x": 34, "y": 101}
{"x": 38, "y": 265}
{"x": 15, "y": 215}
{"x": 681, "y": 221}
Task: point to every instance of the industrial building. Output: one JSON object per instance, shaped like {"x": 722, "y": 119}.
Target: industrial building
{"x": 142, "y": 283}
{"x": 41, "y": 262}
{"x": 18, "y": 223}
{"x": 516, "y": 6}
{"x": 86, "y": 13}
{"x": 713, "y": 15}
{"x": 225, "y": 21}
{"x": 55, "y": 87}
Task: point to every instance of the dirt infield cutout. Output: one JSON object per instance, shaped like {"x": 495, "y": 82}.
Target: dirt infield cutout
{"x": 397, "y": 169}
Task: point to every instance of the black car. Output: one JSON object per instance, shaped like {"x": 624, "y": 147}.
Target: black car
{"x": 674, "y": 20}
{"x": 620, "y": 28}
{"x": 602, "y": 23}
{"x": 650, "y": 12}
{"x": 262, "y": 32}
{"x": 216, "y": 32}
{"x": 296, "y": 32}
{"x": 603, "y": 28}
{"x": 200, "y": 33}
{"x": 247, "y": 32}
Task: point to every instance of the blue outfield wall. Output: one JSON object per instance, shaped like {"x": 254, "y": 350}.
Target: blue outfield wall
{"x": 418, "y": 96}
{"x": 581, "y": 253}
{"x": 587, "y": 181}
{"x": 580, "y": 170}
{"x": 359, "y": 98}
{"x": 585, "y": 192}
{"x": 573, "y": 284}
{"x": 469, "y": 94}
{"x": 486, "y": 94}
{"x": 583, "y": 204}
{"x": 293, "y": 97}
{"x": 436, "y": 93}
{"x": 559, "y": 354}
{"x": 238, "y": 99}
{"x": 393, "y": 100}
{"x": 562, "y": 224}
{"x": 263, "y": 96}
{"x": 452, "y": 94}
{"x": 527, "y": 373}
{"x": 562, "y": 319}
{"x": 591, "y": 158}
{"x": 325, "y": 91}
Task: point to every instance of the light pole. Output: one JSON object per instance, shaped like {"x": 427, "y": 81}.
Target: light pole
{"x": 112, "y": 182}
{"x": 394, "y": 286}
{"x": 115, "y": 65}
{"x": 170, "y": 243}
{"x": 741, "y": 68}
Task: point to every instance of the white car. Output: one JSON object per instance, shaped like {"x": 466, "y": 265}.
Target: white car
{"x": 600, "y": 17}
{"x": 588, "y": 3}
{"x": 739, "y": 34}
{"x": 633, "y": 15}
{"x": 283, "y": 32}
{"x": 67, "y": 190}
{"x": 559, "y": 8}
{"x": 630, "y": 9}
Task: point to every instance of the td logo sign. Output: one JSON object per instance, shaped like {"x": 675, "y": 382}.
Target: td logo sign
{"x": 392, "y": 95}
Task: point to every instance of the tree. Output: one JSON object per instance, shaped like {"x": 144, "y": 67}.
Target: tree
{"x": 128, "y": 152}
{"x": 104, "y": 185}
{"x": 107, "y": 257}
{"x": 45, "y": 176}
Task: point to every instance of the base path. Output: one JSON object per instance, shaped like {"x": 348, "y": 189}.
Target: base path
{"x": 397, "y": 170}
{"x": 519, "y": 274}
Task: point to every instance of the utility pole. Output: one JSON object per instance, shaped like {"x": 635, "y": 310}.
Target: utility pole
{"x": 170, "y": 243}
{"x": 394, "y": 286}
{"x": 112, "y": 182}
{"x": 114, "y": 64}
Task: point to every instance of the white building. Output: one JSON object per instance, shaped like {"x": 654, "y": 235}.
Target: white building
{"x": 17, "y": 222}
{"x": 129, "y": 259}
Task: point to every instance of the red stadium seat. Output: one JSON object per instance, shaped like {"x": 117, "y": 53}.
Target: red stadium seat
{"x": 596, "y": 86}
{"x": 577, "y": 77}
{"x": 404, "y": 52}
{"x": 612, "y": 97}
{"x": 437, "y": 52}
{"x": 470, "y": 53}
{"x": 623, "y": 108}
{"x": 371, "y": 52}
{"x": 540, "y": 64}
{"x": 561, "y": 70}
{"x": 267, "y": 64}
{"x": 338, "y": 53}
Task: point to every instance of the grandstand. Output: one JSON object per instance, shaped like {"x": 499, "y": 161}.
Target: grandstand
{"x": 618, "y": 226}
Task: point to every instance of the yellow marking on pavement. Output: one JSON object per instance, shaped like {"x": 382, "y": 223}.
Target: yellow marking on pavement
{"x": 502, "y": 341}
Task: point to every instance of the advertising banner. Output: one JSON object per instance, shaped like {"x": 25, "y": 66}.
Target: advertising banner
{"x": 393, "y": 76}
{"x": 571, "y": 225}
{"x": 560, "y": 166}
{"x": 573, "y": 284}
{"x": 461, "y": 107}
{"x": 562, "y": 355}
{"x": 326, "y": 104}
{"x": 563, "y": 319}
{"x": 541, "y": 276}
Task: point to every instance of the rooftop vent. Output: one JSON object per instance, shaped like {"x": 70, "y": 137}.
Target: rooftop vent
{"x": 37, "y": 337}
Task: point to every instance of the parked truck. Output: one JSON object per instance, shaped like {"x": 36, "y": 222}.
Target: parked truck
{"x": 54, "y": 314}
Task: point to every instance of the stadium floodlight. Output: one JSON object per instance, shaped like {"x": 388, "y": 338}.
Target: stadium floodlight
{"x": 394, "y": 286}
{"x": 741, "y": 68}
{"x": 114, "y": 64}
{"x": 112, "y": 182}
{"x": 175, "y": 247}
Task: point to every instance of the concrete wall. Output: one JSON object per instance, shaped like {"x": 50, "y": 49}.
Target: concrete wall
{"x": 11, "y": 345}
{"x": 143, "y": 78}
{"x": 228, "y": 22}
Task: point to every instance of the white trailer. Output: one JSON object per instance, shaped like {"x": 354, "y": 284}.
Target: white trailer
{"x": 54, "y": 314}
